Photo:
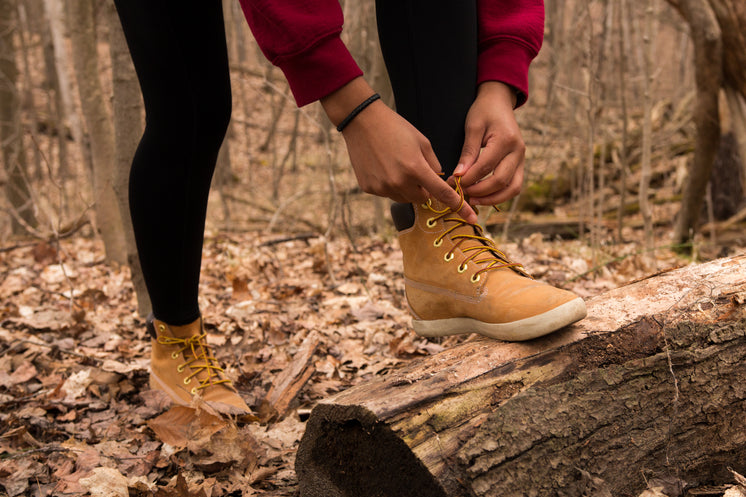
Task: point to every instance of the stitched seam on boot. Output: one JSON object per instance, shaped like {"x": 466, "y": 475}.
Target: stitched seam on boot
{"x": 443, "y": 291}
{"x": 170, "y": 391}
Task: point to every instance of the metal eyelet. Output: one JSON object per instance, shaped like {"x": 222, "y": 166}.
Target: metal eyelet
{"x": 475, "y": 278}
{"x": 194, "y": 391}
{"x": 448, "y": 257}
{"x": 161, "y": 328}
{"x": 187, "y": 381}
{"x": 180, "y": 369}
{"x": 430, "y": 222}
{"x": 438, "y": 242}
{"x": 174, "y": 355}
{"x": 463, "y": 268}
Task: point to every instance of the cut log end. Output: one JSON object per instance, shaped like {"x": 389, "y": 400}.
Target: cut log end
{"x": 353, "y": 453}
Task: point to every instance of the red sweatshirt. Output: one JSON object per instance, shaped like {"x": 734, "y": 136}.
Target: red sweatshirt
{"x": 301, "y": 37}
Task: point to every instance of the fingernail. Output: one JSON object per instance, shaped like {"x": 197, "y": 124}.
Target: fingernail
{"x": 460, "y": 169}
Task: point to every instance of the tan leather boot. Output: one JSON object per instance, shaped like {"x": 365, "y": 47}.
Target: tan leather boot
{"x": 457, "y": 281}
{"x": 183, "y": 366}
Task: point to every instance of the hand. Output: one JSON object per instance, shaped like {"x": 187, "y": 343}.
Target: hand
{"x": 494, "y": 174}
{"x": 390, "y": 157}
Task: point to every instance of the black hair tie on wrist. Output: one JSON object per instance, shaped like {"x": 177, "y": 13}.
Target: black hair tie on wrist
{"x": 357, "y": 110}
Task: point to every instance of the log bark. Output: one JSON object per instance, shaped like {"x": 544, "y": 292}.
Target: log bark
{"x": 651, "y": 383}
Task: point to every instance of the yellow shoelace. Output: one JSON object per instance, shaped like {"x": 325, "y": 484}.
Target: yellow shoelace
{"x": 495, "y": 258}
{"x": 201, "y": 360}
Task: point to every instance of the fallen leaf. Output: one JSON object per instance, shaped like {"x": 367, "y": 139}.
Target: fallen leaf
{"x": 106, "y": 482}
{"x": 76, "y": 384}
{"x": 23, "y": 373}
{"x": 181, "y": 425}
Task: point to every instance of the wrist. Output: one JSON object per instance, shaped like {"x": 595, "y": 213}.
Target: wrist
{"x": 341, "y": 102}
{"x": 498, "y": 90}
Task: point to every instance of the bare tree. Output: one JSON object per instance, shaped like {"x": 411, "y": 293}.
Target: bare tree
{"x": 717, "y": 29}
{"x": 647, "y": 126}
{"x": 11, "y": 135}
{"x": 100, "y": 128}
{"x": 128, "y": 117}
{"x": 54, "y": 12}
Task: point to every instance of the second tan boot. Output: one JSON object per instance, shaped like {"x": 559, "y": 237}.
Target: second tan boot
{"x": 183, "y": 366}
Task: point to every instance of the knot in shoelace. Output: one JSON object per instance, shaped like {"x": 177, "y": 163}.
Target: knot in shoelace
{"x": 483, "y": 253}
{"x": 198, "y": 359}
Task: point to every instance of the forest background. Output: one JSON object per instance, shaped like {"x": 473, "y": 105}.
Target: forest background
{"x": 631, "y": 113}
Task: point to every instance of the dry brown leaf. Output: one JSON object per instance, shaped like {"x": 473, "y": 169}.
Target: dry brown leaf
{"x": 23, "y": 373}
{"x": 106, "y": 482}
{"x": 735, "y": 491}
{"x": 15, "y": 474}
{"x": 181, "y": 425}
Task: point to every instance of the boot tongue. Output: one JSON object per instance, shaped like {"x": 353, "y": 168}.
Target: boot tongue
{"x": 187, "y": 330}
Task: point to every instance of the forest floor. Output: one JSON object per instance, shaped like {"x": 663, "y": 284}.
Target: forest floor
{"x": 78, "y": 417}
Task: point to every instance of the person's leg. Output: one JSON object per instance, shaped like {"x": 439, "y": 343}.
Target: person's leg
{"x": 180, "y": 56}
{"x": 456, "y": 280}
{"x": 179, "y": 52}
{"x": 430, "y": 50}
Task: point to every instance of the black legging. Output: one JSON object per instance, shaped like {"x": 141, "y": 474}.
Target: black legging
{"x": 430, "y": 50}
{"x": 180, "y": 55}
{"x": 179, "y": 52}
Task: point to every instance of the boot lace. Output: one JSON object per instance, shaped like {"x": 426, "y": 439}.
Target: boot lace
{"x": 484, "y": 252}
{"x": 200, "y": 360}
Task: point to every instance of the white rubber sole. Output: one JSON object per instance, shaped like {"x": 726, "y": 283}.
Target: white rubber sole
{"x": 516, "y": 331}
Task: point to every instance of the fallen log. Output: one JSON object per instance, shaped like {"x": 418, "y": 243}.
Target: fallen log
{"x": 651, "y": 383}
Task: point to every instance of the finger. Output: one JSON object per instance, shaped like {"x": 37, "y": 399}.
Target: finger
{"x": 440, "y": 190}
{"x": 513, "y": 189}
{"x": 470, "y": 151}
{"x": 403, "y": 189}
{"x": 417, "y": 195}
{"x": 430, "y": 157}
{"x": 486, "y": 163}
{"x": 500, "y": 179}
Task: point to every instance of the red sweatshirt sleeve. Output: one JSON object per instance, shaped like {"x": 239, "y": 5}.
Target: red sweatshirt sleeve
{"x": 301, "y": 37}
{"x": 510, "y": 36}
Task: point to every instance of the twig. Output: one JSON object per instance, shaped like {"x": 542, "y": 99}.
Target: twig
{"x": 53, "y": 448}
{"x": 75, "y": 354}
{"x": 304, "y": 237}
{"x": 71, "y": 230}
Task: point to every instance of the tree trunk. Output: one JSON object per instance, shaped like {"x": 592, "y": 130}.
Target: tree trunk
{"x": 11, "y": 132}
{"x": 737, "y": 112}
{"x": 53, "y": 9}
{"x": 128, "y": 128}
{"x": 718, "y": 29}
{"x": 57, "y": 118}
{"x": 651, "y": 383}
{"x": 708, "y": 50}
{"x": 100, "y": 128}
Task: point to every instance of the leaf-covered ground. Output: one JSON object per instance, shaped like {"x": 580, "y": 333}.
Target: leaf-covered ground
{"x": 77, "y": 414}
